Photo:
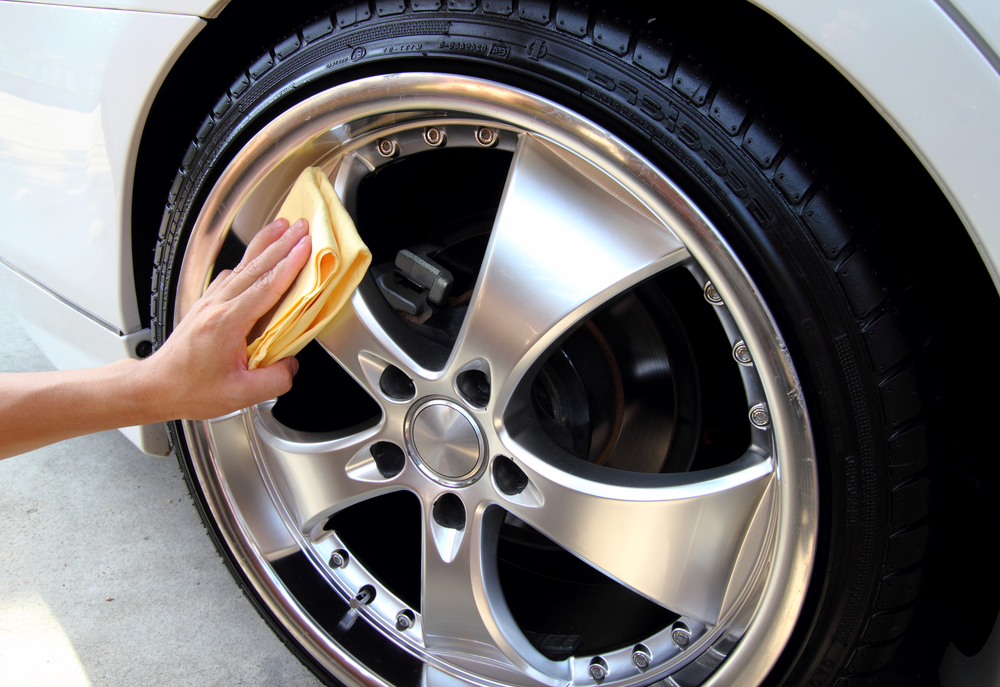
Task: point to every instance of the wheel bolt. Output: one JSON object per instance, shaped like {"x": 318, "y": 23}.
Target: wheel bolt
{"x": 641, "y": 659}
{"x": 598, "y": 669}
{"x": 338, "y": 559}
{"x": 433, "y": 136}
{"x": 759, "y": 416}
{"x": 742, "y": 354}
{"x": 681, "y": 636}
{"x": 486, "y": 136}
{"x": 712, "y": 294}
{"x": 386, "y": 147}
{"x": 404, "y": 620}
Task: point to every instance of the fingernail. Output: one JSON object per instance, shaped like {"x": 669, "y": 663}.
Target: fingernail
{"x": 299, "y": 224}
{"x": 295, "y": 366}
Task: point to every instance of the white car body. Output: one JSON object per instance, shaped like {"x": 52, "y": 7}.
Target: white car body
{"x": 77, "y": 80}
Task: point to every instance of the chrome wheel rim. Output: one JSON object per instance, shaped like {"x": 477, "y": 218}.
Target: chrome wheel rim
{"x": 735, "y": 564}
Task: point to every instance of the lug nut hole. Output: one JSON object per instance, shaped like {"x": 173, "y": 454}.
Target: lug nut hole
{"x": 396, "y": 385}
{"x": 474, "y": 387}
{"x": 449, "y": 511}
{"x": 389, "y": 458}
{"x": 509, "y": 478}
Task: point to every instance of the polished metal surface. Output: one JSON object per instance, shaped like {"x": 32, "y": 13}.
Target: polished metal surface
{"x": 582, "y": 219}
{"x": 445, "y": 439}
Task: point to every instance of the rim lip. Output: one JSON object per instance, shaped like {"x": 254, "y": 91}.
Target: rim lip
{"x": 796, "y": 511}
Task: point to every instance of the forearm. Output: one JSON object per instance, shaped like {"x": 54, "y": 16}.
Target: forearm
{"x": 198, "y": 373}
{"x": 40, "y": 408}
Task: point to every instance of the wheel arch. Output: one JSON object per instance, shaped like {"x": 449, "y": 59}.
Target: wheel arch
{"x": 234, "y": 38}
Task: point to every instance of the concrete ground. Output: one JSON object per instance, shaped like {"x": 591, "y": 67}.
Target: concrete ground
{"x": 108, "y": 577}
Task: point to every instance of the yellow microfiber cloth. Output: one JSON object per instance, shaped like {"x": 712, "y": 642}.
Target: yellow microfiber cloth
{"x": 338, "y": 262}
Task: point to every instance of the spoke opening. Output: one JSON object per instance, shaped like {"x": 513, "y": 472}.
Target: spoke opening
{"x": 324, "y": 397}
{"x": 564, "y": 606}
{"x": 384, "y": 535}
{"x": 441, "y": 213}
{"x": 639, "y": 387}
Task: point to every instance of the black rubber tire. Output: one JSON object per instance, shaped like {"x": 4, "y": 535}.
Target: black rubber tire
{"x": 760, "y": 157}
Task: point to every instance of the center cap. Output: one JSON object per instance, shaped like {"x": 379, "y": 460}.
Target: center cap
{"x": 445, "y": 440}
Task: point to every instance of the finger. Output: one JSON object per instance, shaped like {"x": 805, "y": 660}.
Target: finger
{"x": 264, "y": 238}
{"x": 248, "y": 272}
{"x": 269, "y": 382}
{"x": 216, "y": 283}
{"x": 264, "y": 293}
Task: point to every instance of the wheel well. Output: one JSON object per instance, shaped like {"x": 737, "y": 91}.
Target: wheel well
{"x": 201, "y": 74}
{"x": 941, "y": 247}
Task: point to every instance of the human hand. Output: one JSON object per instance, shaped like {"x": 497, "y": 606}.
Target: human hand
{"x": 201, "y": 369}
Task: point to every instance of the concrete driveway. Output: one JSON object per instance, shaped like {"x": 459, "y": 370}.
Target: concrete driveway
{"x": 108, "y": 577}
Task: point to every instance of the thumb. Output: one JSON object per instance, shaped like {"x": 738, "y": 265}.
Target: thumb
{"x": 271, "y": 381}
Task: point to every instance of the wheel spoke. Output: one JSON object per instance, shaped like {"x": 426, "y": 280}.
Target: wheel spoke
{"x": 566, "y": 239}
{"x": 357, "y": 342}
{"x": 319, "y": 474}
{"x": 674, "y": 538}
{"x": 464, "y": 616}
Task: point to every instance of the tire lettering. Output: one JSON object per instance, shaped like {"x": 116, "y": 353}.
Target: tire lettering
{"x": 605, "y": 82}
{"x": 671, "y": 123}
{"x": 537, "y": 49}
{"x": 463, "y": 46}
{"x": 760, "y": 212}
{"x": 713, "y": 158}
{"x": 652, "y": 108}
{"x": 690, "y": 137}
{"x": 632, "y": 92}
{"x": 736, "y": 183}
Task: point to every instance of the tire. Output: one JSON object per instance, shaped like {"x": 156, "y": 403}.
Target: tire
{"x": 683, "y": 356}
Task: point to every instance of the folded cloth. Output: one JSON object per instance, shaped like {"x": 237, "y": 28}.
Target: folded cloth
{"x": 338, "y": 262}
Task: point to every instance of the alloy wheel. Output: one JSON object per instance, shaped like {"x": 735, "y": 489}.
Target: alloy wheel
{"x": 583, "y": 222}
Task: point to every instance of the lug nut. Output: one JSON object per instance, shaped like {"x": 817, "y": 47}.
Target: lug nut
{"x": 387, "y": 147}
{"x": 712, "y": 294}
{"x": 641, "y": 658}
{"x": 338, "y": 559}
{"x": 681, "y": 636}
{"x": 598, "y": 669}
{"x": 433, "y": 136}
{"x": 404, "y": 620}
{"x": 759, "y": 416}
{"x": 742, "y": 354}
{"x": 486, "y": 136}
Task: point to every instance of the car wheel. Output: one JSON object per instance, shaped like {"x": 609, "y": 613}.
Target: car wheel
{"x": 619, "y": 399}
